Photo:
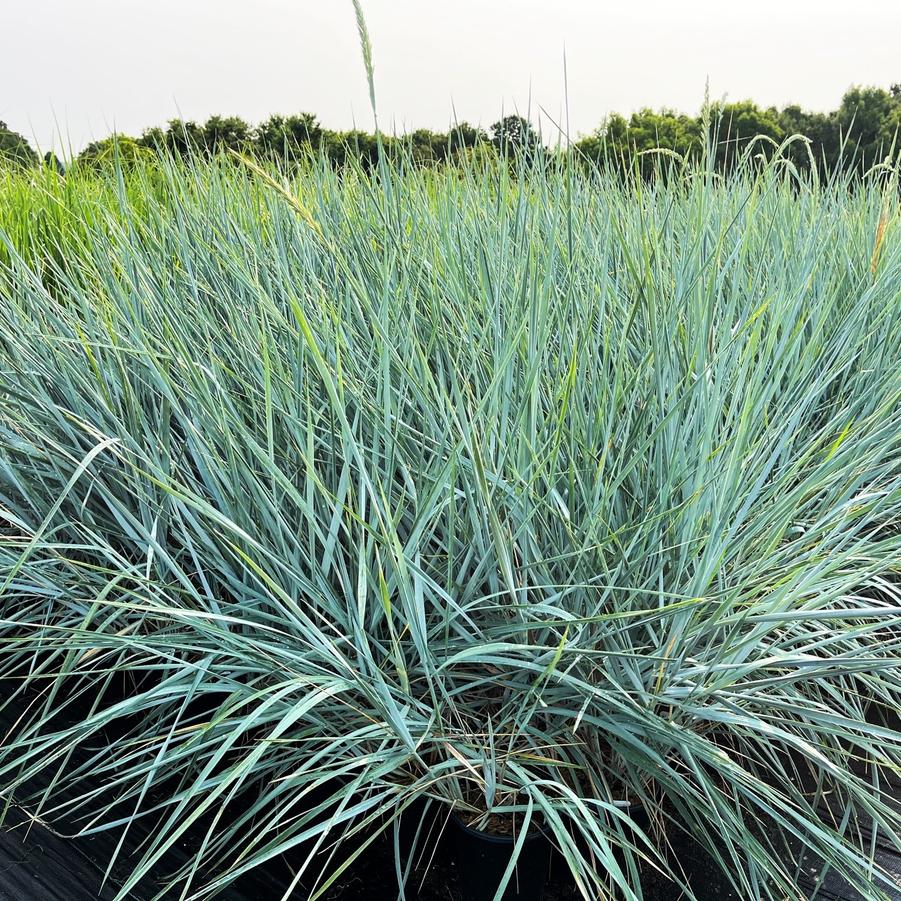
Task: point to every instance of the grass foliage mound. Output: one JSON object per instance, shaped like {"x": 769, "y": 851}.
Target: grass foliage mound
{"x": 531, "y": 493}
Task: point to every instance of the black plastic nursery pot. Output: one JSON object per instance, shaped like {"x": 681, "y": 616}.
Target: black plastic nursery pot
{"x": 482, "y": 859}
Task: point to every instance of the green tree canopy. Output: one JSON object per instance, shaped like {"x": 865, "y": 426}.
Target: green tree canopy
{"x": 116, "y": 148}
{"x": 180, "y": 137}
{"x": 15, "y": 149}
{"x": 620, "y": 143}
{"x": 735, "y": 125}
{"x": 861, "y": 132}
{"x": 821, "y": 131}
{"x": 869, "y": 120}
{"x": 427, "y": 146}
{"x": 52, "y": 161}
{"x": 515, "y": 134}
{"x": 465, "y": 135}
{"x": 226, "y": 133}
{"x": 284, "y": 136}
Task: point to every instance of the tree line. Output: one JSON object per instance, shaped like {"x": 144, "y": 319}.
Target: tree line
{"x": 860, "y": 133}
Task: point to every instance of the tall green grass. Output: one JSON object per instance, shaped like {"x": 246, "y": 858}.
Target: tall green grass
{"x": 519, "y": 489}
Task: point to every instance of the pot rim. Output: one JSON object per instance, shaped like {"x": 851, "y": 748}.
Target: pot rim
{"x": 537, "y": 832}
{"x": 494, "y": 837}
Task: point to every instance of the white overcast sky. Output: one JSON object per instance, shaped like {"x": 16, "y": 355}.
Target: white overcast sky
{"x": 74, "y": 70}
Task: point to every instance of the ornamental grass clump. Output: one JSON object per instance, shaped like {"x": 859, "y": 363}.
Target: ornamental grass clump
{"x": 551, "y": 499}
